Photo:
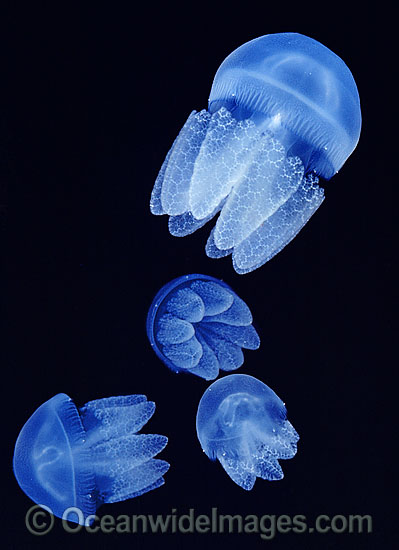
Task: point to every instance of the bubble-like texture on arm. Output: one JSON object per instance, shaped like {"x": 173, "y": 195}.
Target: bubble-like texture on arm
{"x": 278, "y": 230}
{"x": 267, "y": 186}
{"x": 247, "y": 177}
{"x": 283, "y": 111}
{"x": 223, "y": 158}
{"x": 122, "y": 459}
{"x": 65, "y": 457}
{"x": 242, "y": 423}
{"x": 171, "y": 188}
{"x": 197, "y": 324}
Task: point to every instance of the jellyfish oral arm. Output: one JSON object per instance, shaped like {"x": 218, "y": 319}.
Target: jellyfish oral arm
{"x": 263, "y": 196}
{"x": 122, "y": 459}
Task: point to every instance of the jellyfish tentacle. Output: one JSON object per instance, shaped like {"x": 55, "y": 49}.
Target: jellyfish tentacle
{"x": 187, "y": 305}
{"x": 121, "y": 458}
{"x": 186, "y": 355}
{"x": 237, "y": 314}
{"x": 119, "y": 401}
{"x": 222, "y": 159}
{"x": 236, "y": 471}
{"x": 128, "y": 451}
{"x": 132, "y": 482}
{"x": 280, "y": 228}
{"x": 270, "y": 181}
{"x": 268, "y": 468}
{"x": 243, "y": 336}
{"x": 173, "y": 330}
{"x": 229, "y": 355}
{"x": 116, "y": 421}
{"x": 285, "y": 441}
{"x": 212, "y": 251}
{"x": 185, "y": 224}
{"x": 215, "y": 297}
{"x": 209, "y": 364}
{"x": 172, "y": 191}
{"x": 155, "y": 200}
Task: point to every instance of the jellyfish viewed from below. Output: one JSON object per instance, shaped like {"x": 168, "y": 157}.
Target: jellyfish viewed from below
{"x": 198, "y": 324}
{"x": 68, "y": 457}
{"x": 242, "y": 423}
{"x": 283, "y": 111}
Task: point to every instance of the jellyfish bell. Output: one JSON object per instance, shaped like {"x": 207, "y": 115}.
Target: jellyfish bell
{"x": 51, "y": 462}
{"x": 66, "y": 457}
{"x": 283, "y": 111}
{"x": 298, "y": 90}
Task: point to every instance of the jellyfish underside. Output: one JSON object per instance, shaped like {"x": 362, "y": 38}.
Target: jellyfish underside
{"x": 277, "y": 119}
{"x": 65, "y": 457}
{"x": 198, "y": 325}
{"x": 246, "y": 431}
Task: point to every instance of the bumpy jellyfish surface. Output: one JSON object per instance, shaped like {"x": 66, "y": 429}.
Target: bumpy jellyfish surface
{"x": 242, "y": 423}
{"x": 67, "y": 457}
{"x": 283, "y": 110}
{"x": 197, "y": 324}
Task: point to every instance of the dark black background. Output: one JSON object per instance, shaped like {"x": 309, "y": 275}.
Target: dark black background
{"x": 93, "y": 100}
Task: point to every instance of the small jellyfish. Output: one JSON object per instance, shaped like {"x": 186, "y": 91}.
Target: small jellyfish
{"x": 283, "y": 110}
{"x": 198, "y": 324}
{"x": 242, "y": 423}
{"x": 67, "y": 457}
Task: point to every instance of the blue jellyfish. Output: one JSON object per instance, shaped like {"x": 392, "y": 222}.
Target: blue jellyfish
{"x": 242, "y": 423}
{"x": 283, "y": 110}
{"x": 198, "y": 324}
{"x": 67, "y": 457}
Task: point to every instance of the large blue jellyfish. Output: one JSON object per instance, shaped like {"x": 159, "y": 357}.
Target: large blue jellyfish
{"x": 67, "y": 457}
{"x": 283, "y": 110}
{"x": 242, "y": 423}
{"x": 198, "y": 324}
